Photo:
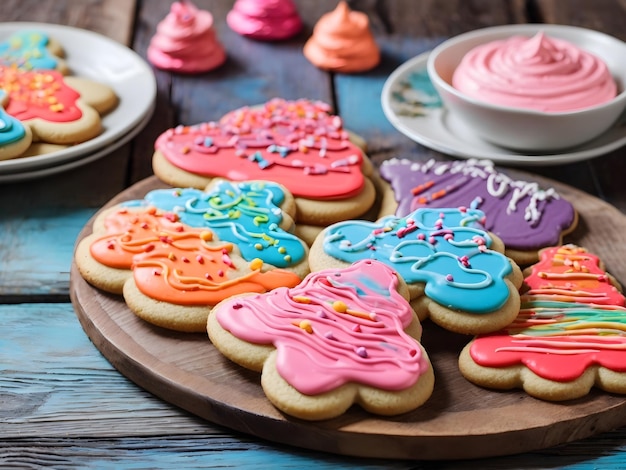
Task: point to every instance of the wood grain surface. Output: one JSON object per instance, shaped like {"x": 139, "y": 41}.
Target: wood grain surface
{"x": 459, "y": 421}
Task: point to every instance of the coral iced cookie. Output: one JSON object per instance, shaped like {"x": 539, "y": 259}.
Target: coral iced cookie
{"x": 56, "y": 112}
{"x": 297, "y": 144}
{"x": 521, "y": 213}
{"x": 450, "y": 263}
{"x": 31, "y": 50}
{"x": 256, "y": 216}
{"x": 269, "y": 20}
{"x": 568, "y": 336}
{"x": 341, "y": 337}
{"x": 185, "y": 41}
{"x": 342, "y": 42}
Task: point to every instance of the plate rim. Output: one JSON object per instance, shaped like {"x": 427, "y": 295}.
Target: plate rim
{"x": 505, "y": 157}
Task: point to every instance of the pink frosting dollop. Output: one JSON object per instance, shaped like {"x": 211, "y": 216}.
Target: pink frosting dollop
{"x": 185, "y": 41}
{"x": 342, "y": 42}
{"x": 539, "y": 73}
{"x": 269, "y": 20}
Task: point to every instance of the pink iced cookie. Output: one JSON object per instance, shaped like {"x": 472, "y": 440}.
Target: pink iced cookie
{"x": 342, "y": 336}
{"x": 269, "y": 20}
{"x": 185, "y": 41}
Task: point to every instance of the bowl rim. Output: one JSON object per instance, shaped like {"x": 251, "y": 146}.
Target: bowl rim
{"x": 513, "y": 29}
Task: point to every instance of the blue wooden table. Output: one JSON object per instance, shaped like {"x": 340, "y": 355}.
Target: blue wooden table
{"x": 62, "y": 404}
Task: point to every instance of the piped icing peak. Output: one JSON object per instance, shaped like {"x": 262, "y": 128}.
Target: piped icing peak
{"x": 571, "y": 318}
{"x": 185, "y": 41}
{"x": 521, "y": 213}
{"x": 342, "y": 42}
{"x": 540, "y": 73}
{"x": 298, "y": 144}
{"x": 269, "y": 20}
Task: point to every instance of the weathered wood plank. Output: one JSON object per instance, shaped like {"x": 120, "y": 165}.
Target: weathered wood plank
{"x": 113, "y": 18}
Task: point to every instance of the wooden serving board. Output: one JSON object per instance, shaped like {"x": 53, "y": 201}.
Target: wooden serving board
{"x": 459, "y": 421}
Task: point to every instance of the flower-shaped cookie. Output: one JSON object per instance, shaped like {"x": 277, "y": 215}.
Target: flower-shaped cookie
{"x": 342, "y": 336}
{"x": 568, "y": 336}
{"x": 56, "y": 111}
{"x": 443, "y": 255}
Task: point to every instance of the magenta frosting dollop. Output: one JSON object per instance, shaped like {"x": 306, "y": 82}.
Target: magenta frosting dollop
{"x": 269, "y": 20}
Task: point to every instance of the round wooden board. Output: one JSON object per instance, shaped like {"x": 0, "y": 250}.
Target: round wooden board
{"x": 459, "y": 421}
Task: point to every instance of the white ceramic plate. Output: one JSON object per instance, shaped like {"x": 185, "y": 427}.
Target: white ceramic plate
{"x": 412, "y": 105}
{"x": 97, "y": 57}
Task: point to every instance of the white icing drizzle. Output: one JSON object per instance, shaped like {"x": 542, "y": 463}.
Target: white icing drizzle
{"x": 498, "y": 184}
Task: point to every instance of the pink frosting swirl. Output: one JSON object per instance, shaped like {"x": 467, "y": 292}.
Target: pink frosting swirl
{"x": 185, "y": 41}
{"x": 264, "y": 19}
{"x": 539, "y": 73}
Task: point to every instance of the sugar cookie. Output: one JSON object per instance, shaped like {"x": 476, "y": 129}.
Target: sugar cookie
{"x": 567, "y": 338}
{"x": 341, "y": 337}
{"x": 455, "y": 270}
{"x": 298, "y": 144}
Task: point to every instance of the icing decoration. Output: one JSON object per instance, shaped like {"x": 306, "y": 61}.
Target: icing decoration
{"x": 521, "y": 213}
{"x": 11, "y": 129}
{"x": 185, "y": 41}
{"x": 571, "y": 318}
{"x": 539, "y": 73}
{"x": 39, "y": 94}
{"x": 246, "y": 214}
{"x": 130, "y": 232}
{"x": 203, "y": 274}
{"x": 295, "y": 143}
{"x": 335, "y": 327}
{"x": 447, "y": 249}
{"x": 342, "y": 42}
{"x": 269, "y": 20}
{"x": 27, "y": 50}
{"x": 174, "y": 263}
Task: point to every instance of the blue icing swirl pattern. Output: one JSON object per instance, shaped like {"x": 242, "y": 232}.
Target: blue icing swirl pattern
{"x": 244, "y": 213}
{"x": 447, "y": 249}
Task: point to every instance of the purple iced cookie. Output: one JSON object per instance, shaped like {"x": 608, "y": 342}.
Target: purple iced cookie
{"x": 525, "y": 216}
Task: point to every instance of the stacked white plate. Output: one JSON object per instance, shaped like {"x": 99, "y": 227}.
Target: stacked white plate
{"x": 104, "y": 60}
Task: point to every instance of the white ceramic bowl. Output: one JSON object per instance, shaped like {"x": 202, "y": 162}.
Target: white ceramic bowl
{"x": 524, "y": 129}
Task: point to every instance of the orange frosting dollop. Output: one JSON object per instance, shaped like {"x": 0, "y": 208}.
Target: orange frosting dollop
{"x": 342, "y": 42}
